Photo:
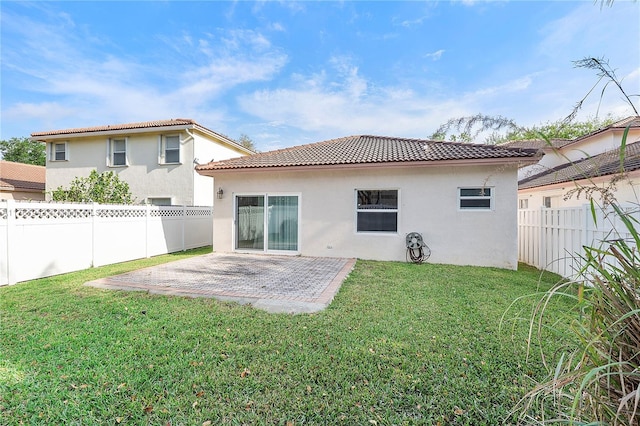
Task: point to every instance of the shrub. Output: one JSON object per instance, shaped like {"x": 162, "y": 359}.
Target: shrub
{"x": 598, "y": 381}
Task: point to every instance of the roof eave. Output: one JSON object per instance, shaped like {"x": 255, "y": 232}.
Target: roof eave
{"x": 45, "y": 138}
{"x": 202, "y": 170}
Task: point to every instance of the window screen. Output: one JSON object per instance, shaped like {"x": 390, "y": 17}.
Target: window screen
{"x": 377, "y": 210}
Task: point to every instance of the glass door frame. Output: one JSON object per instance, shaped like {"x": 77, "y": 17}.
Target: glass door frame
{"x": 265, "y": 249}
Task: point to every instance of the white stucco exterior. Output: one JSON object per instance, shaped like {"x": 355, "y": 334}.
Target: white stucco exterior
{"x": 145, "y": 172}
{"x": 567, "y": 194}
{"x": 564, "y": 194}
{"x": 428, "y": 203}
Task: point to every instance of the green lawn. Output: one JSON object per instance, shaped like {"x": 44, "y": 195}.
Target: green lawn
{"x": 400, "y": 344}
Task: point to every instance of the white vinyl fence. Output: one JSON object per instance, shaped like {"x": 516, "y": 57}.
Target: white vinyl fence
{"x": 553, "y": 239}
{"x": 43, "y": 239}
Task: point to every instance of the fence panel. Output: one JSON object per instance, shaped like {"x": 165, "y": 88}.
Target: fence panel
{"x": 43, "y": 239}
{"x": 553, "y": 239}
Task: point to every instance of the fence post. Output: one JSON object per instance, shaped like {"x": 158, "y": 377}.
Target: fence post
{"x": 11, "y": 229}
{"x": 541, "y": 238}
{"x": 94, "y": 225}
{"x": 184, "y": 225}
{"x": 147, "y": 217}
{"x": 585, "y": 225}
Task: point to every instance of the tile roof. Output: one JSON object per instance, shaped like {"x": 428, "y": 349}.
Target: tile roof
{"x": 18, "y": 176}
{"x": 536, "y": 143}
{"x": 126, "y": 126}
{"x": 120, "y": 128}
{"x": 364, "y": 149}
{"x": 632, "y": 122}
{"x": 604, "y": 164}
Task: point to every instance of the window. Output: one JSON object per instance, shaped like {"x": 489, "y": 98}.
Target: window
{"x": 170, "y": 151}
{"x": 377, "y": 210}
{"x": 523, "y": 203}
{"x": 476, "y": 198}
{"x": 546, "y": 201}
{"x": 118, "y": 151}
{"x": 59, "y": 151}
{"x": 159, "y": 201}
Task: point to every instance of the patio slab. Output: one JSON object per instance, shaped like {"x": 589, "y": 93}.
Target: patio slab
{"x": 277, "y": 284}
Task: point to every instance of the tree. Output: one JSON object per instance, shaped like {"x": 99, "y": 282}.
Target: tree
{"x": 104, "y": 188}
{"x": 23, "y": 150}
{"x": 557, "y": 130}
{"x": 471, "y": 127}
{"x": 247, "y": 142}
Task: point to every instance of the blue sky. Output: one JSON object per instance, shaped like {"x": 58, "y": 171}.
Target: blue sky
{"x": 288, "y": 73}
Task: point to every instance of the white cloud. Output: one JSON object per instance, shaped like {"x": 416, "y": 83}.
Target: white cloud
{"x": 435, "y": 55}
{"x": 277, "y": 26}
{"x": 408, "y": 23}
{"x": 347, "y": 104}
{"x": 92, "y": 87}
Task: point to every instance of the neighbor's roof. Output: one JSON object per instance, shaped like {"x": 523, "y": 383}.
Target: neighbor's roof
{"x": 365, "y": 149}
{"x": 604, "y": 164}
{"x": 140, "y": 126}
{"x": 632, "y": 122}
{"x": 21, "y": 177}
{"x": 536, "y": 143}
{"x": 126, "y": 126}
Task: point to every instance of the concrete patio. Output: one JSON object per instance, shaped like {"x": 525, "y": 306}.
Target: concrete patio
{"x": 277, "y": 284}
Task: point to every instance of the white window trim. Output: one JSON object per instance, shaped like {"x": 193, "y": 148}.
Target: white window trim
{"x": 52, "y": 153}
{"x": 162, "y": 144}
{"x": 478, "y": 197}
{"x": 111, "y": 152}
{"x": 357, "y": 210}
{"x": 523, "y": 203}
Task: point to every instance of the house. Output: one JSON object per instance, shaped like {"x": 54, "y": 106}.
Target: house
{"x": 21, "y": 181}
{"x": 568, "y": 168}
{"x": 156, "y": 158}
{"x": 360, "y": 196}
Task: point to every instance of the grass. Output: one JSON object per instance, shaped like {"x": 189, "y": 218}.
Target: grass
{"x": 400, "y": 344}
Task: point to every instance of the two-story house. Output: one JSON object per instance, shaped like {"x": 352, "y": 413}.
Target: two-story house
{"x": 156, "y": 158}
{"x": 567, "y": 168}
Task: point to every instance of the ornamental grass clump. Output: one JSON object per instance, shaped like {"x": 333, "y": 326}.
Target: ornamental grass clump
{"x": 598, "y": 380}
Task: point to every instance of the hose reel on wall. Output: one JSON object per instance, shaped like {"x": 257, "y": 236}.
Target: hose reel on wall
{"x": 417, "y": 250}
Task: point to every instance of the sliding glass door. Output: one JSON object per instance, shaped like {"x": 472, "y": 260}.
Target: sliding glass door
{"x": 275, "y": 227}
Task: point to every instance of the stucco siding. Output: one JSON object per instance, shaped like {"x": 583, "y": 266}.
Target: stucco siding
{"x": 428, "y": 203}
{"x": 205, "y": 151}
{"x": 145, "y": 176}
{"x": 627, "y": 190}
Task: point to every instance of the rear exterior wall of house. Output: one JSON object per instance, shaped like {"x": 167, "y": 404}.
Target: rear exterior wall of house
{"x": 429, "y": 202}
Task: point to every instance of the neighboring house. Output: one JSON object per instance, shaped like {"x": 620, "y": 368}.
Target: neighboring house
{"x": 567, "y": 168}
{"x": 156, "y": 158}
{"x": 360, "y": 196}
{"x": 21, "y": 181}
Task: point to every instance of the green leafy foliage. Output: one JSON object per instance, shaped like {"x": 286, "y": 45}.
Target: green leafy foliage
{"x": 558, "y": 130}
{"x": 470, "y": 127}
{"x": 102, "y": 188}
{"x": 23, "y": 150}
